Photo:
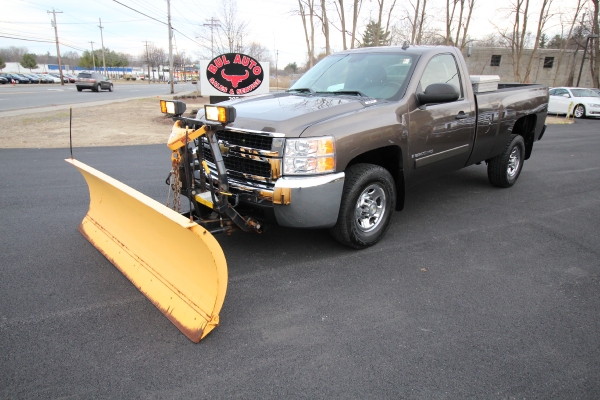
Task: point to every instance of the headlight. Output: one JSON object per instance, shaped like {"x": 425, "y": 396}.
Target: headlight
{"x": 309, "y": 156}
{"x": 595, "y": 105}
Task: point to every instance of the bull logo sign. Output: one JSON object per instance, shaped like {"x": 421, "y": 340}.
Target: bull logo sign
{"x": 234, "y": 73}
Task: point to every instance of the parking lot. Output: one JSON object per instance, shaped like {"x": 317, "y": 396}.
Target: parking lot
{"x": 475, "y": 292}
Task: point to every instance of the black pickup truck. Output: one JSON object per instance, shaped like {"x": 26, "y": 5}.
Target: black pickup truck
{"x": 339, "y": 149}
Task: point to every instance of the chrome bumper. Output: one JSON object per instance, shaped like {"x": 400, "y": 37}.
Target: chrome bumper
{"x": 311, "y": 202}
{"x": 298, "y": 202}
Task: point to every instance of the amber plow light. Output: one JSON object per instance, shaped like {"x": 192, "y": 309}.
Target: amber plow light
{"x": 172, "y": 107}
{"x": 177, "y": 264}
{"x": 222, "y": 114}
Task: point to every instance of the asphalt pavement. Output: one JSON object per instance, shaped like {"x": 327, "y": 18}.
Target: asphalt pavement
{"x": 475, "y": 292}
{"x": 46, "y": 97}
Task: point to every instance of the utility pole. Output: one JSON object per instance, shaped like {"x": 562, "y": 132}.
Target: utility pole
{"x": 93, "y": 57}
{"x": 147, "y": 62}
{"x": 170, "y": 46}
{"x": 57, "y": 48}
{"x": 102, "y": 38}
{"x": 213, "y": 23}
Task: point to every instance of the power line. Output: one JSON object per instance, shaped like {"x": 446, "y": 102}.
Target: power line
{"x": 139, "y": 12}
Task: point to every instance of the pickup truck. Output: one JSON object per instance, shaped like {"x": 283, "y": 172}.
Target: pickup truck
{"x": 340, "y": 147}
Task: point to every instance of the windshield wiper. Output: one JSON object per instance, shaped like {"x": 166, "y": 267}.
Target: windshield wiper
{"x": 301, "y": 90}
{"x": 348, "y": 92}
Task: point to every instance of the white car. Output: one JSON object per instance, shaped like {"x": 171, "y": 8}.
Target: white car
{"x": 51, "y": 78}
{"x": 580, "y": 101}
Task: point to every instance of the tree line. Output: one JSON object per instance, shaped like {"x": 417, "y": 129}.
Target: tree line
{"x": 417, "y": 22}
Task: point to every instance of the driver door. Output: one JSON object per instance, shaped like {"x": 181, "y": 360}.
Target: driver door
{"x": 441, "y": 135}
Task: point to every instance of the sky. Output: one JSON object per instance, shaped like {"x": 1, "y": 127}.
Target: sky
{"x": 271, "y": 23}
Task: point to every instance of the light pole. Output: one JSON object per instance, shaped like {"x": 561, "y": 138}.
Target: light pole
{"x": 587, "y": 41}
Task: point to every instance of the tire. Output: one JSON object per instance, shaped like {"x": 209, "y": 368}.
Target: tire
{"x": 579, "y": 111}
{"x": 97, "y": 88}
{"x": 504, "y": 170}
{"x": 110, "y": 88}
{"x": 79, "y": 89}
{"x": 368, "y": 200}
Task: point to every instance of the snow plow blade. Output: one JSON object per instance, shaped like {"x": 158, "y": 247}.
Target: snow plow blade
{"x": 176, "y": 263}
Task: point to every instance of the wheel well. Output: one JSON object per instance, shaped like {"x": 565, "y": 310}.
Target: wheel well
{"x": 390, "y": 158}
{"x": 525, "y": 126}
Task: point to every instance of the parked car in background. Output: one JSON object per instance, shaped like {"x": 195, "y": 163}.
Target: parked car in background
{"x": 579, "y": 102}
{"x": 72, "y": 78}
{"x": 51, "y": 78}
{"x": 35, "y": 78}
{"x": 23, "y": 78}
{"x": 65, "y": 79}
{"x": 3, "y": 80}
{"x": 93, "y": 81}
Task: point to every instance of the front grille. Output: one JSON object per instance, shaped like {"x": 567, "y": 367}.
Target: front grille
{"x": 246, "y": 139}
{"x": 238, "y": 161}
{"x": 241, "y": 165}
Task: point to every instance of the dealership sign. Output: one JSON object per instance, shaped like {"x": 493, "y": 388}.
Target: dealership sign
{"x": 234, "y": 74}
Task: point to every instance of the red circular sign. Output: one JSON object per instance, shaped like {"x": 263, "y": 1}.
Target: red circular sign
{"x": 234, "y": 73}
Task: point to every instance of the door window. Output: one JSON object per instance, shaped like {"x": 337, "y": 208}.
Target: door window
{"x": 441, "y": 69}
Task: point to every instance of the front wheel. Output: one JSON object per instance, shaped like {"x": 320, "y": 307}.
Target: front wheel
{"x": 504, "y": 170}
{"x": 110, "y": 88}
{"x": 579, "y": 111}
{"x": 368, "y": 200}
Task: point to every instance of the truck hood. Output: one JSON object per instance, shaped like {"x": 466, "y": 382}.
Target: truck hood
{"x": 291, "y": 114}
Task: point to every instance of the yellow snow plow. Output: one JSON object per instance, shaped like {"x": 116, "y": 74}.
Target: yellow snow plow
{"x": 171, "y": 257}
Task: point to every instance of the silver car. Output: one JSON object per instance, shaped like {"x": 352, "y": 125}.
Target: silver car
{"x": 93, "y": 81}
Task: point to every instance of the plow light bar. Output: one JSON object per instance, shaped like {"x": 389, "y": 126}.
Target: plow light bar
{"x": 173, "y": 107}
{"x": 222, "y": 114}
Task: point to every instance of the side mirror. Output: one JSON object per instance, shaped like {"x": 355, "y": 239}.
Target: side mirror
{"x": 438, "y": 93}
{"x": 566, "y": 95}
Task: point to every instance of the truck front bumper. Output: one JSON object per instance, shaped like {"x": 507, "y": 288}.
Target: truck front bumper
{"x": 308, "y": 202}
{"x": 298, "y": 202}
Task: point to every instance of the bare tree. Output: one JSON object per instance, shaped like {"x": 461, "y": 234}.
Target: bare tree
{"x": 325, "y": 26}
{"x": 449, "y": 19}
{"x": 516, "y": 36}
{"x": 471, "y": 6}
{"x": 340, "y": 11}
{"x": 543, "y": 19}
{"x": 157, "y": 57}
{"x": 595, "y": 54}
{"x": 355, "y": 11}
{"x": 229, "y": 34}
{"x": 306, "y": 10}
{"x": 578, "y": 9}
{"x": 258, "y": 52}
{"x": 13, "y": 54}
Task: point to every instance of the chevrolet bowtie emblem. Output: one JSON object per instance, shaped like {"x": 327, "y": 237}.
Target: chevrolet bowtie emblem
{"x": 224, "y": 148}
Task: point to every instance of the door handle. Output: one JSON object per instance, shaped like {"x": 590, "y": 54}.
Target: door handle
{"x": 461, "y": 115}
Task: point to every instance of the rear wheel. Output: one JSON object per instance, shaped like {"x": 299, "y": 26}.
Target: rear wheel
{"x": 579, "y": 111}
{"x": 110, "y": 88}
{"x": 79, "y": 89}
{"x": 504, "y": 170}
{"x": 97, "y": 88}
{"x": 368, "y": 199}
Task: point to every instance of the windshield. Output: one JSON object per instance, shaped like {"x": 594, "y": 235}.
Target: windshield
{"x": 376, "y": 75}
{"x": 584, "y": 93}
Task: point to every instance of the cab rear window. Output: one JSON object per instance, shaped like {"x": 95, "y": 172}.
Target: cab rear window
{"x": 84, "y": 75}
